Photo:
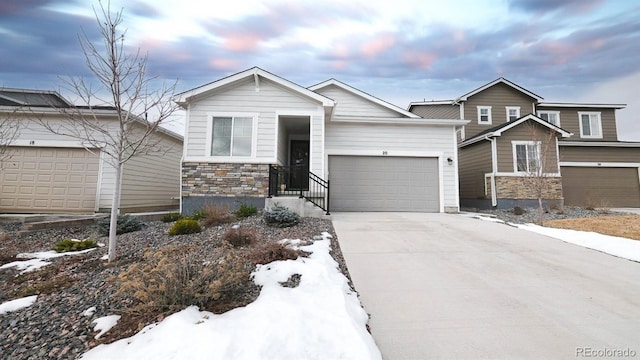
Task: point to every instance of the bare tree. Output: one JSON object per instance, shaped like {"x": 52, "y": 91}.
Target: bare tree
{"x": 535, "y": 158}
{"x": 124, "y": 91}
{"x": 9, "y": 132}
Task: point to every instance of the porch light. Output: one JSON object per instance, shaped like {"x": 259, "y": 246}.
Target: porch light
{"x": 450, "y": 161}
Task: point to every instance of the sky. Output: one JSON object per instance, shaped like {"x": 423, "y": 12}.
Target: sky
{"x": 400, "y": 51}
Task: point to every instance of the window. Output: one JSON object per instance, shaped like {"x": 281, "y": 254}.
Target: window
{"x": 484, "y": 114}
{"x": 526, "y": 156}
{"x": 550, "y": 116}
{"x": 590, "y": 125}
{"x": 513, "y": 113}
{"x": 231, "y": 136}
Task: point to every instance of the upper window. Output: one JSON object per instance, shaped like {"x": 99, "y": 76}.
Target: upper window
{"x": 550, "y": 116}
{"x": 484, "y": 114}
{"x": 590, "y": 125}
{"x": 513, "y": 113}
{"x": 231, "y": 136}
{"x": 526, "y": 156}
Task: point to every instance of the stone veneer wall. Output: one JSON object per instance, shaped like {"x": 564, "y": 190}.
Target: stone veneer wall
{"x": 516, "y": 187}
{"x": 225, "y": 179}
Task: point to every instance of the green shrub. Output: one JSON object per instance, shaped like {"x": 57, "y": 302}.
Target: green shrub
{"x": 185, "y": 226}
{"x": 198, "y": 215}
{"x": 216, "y": 214}
{"x": 125, "y": 224}
{"x": 171, "y": 217}
{"x": 245, "y": 211}
{"x": 280, "y": 216}
{"x": 74, "y": 245}
{"x": 239, "y": 237}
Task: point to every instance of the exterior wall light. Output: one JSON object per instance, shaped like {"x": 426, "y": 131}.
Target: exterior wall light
{"x": 450, "y": 161}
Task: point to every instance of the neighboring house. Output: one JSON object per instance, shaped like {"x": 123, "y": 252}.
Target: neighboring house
{"x": 509, "y": 130}
{"x": 254, "y": 135}
{"x": 49, "y": 173}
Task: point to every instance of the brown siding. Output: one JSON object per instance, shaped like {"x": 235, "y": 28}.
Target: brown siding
{"x": 569, "y": 121}
{"x": 601, "y": 187}
{"x": 474, "y": 161}
{"x": 498, "y": 97}
{"x": 437, "y": 111}
{"x": 527, "y": 131}
{"x": 599, "y": 154}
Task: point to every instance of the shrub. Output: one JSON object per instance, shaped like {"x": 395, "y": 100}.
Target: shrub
{"x": 171, "y": 217}
{"x": 245, "y": 211}
{"x": 215, "y": 214}
{"x": 4, "y": 236}
{"x": 198, "y": 215}
{"x": 280, "y": 216}
{"x": 239, "y": 237}
{"x": 518, "y": 210}
{"x": 270, "y": 252}
{"x": 174, "y": 277}
{"x": 185, "y": 226}
{"x": 125, "y": 224}
{"x": 74, "y": 245}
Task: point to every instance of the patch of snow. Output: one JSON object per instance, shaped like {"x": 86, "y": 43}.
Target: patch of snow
{"x": 104, "y": 324}
{"x": 105, "y": 257}
{"x": 617, "y": 246}
{"x": 37, "y": 259}
{"x": 17, "y": 304}
{"x": 90, "y": 311}
{"x": 321, "y": 318}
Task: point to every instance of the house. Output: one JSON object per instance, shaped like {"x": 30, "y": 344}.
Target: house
{"x": 254, "y": 136}
{"x": 513, "y": 132}
{"x": 49, "y": 173}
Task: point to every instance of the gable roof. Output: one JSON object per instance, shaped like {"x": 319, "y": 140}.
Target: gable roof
{"x": 500, "y": 80}
{"x": 498, "y": 130}
{"x": 36, "y": 98}
{"x": 362, "y": 94}
{"x": 183, "y": 98}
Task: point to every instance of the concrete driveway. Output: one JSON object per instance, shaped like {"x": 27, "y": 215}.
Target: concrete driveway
{"x": 448, "y": 286}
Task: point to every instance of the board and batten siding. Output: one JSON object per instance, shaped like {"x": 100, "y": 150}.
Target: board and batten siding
{"x": 449, "y": 111}
{"x": 474, "y": 163}
{"x": 242, "y": 97}
{"x": 525, "y": 132}
{"x": 397, "y": 140}
{"x": 570, "y": 122}
{"x": 498, "y": 97}
{"x": 349, "y": 104}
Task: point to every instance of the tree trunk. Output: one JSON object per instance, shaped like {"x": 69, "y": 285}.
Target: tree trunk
{"x": 540, "y": 211}
{"x": 115, "y": 207}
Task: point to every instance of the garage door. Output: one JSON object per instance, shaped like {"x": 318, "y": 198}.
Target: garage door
{"x": 600, "y": 187}
{"x": 371, "y": 183}
{"x": 49, "y": 180}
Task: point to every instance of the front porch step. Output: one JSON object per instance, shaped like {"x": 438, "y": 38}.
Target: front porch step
{"x": 298, "y": 205}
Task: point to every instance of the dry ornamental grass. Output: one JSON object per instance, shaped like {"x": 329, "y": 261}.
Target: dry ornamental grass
{"x": 622, "y": 226}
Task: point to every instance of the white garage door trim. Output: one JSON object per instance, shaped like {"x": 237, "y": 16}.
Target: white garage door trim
{"x": 419, "y": 154}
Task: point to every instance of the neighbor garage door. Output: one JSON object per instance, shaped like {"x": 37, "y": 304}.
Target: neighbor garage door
{"x": 601, "y": 186}
{"x": 370, "y": 183}
{"x": 49, "y": 180}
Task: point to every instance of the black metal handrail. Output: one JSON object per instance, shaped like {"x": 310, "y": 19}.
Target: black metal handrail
{"x": 298, "y": 181}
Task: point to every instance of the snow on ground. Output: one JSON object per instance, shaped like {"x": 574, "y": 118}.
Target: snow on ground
{"x": 104, "y": 324}
{"x": 613, "y": 245}
{"x": 617, "y": 246}
{"x": 37, "y": 260}
{"x": 90, "y": 311}
{"x": 17, "y": 304}
{"x": 321, "y": 318}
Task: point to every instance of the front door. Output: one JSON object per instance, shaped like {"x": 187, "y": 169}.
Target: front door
{"x": 299, "y": 162}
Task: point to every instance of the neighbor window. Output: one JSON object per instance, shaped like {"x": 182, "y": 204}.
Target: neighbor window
{"x": 590, "y": 125}
{"x": 484, "y": 114}
{"x": 550, "y": 116}
{"x": 231, "y": 136}
{"x": 526, "y": 156}
{"x": 513, "y": 113}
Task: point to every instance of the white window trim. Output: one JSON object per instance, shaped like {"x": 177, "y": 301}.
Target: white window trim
{"x": 556, "y": 112}
{"x": 515, "y": 154}
{"x": 516, "y": 108}
{"x": 599, "y": 117}
{"x": 254, "y": 135}
{"x": 479, "y": 117}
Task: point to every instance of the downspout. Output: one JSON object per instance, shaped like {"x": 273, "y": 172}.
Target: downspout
{"x": 494, "y": 170}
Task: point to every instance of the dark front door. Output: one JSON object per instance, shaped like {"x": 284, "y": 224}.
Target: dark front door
{"x": 299, "y": 162}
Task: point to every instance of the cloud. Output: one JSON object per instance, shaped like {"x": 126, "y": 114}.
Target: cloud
{"x": 542, "y": 6}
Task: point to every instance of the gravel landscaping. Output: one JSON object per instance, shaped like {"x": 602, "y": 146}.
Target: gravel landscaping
{"x": 54, "y": 326}
{"x": 530, "y": 215}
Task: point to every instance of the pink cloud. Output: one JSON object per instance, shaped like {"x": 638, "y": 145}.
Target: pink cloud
{"x": 377, "y": 46}
{"x": 241, "y": 42}
{"x": 224, "y": 64}
{"x": 339, "y": 64}
{"x": 421, "y": 60}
